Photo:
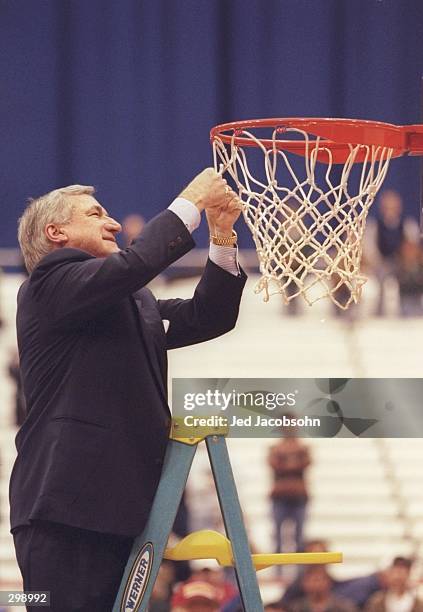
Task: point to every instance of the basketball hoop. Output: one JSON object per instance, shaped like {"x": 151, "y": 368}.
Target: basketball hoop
{"x": 307, "y": 219}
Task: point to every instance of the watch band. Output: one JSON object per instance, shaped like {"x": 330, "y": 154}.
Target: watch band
{"x": 224, "y": 240}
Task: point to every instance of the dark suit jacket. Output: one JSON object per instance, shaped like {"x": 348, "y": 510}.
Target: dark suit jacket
{"x": 93, "y": 360}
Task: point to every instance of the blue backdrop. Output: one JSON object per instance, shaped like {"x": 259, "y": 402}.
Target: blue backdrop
{"x": 122, "y": 94}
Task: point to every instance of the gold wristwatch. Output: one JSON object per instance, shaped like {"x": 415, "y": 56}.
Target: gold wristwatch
{"x": 224, "y": 240}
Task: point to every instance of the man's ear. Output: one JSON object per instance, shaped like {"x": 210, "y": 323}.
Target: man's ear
{"x": 56, "y": 234}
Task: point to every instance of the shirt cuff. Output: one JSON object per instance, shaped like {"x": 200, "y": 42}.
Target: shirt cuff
{"x": 226, "y": 257}
{"x": 187, "y": 212}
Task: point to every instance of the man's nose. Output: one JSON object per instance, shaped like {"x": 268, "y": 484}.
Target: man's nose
{"x": 113, "y": 226}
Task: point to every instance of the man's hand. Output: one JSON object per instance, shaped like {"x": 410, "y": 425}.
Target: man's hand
{"x": 208, "y": 190}
{"x": 221, "y": 220}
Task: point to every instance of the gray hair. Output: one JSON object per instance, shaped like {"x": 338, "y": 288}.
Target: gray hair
{"x": 53, "y": 207}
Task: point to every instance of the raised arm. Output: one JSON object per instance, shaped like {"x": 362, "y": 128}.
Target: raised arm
{"x": 213, "y": 310}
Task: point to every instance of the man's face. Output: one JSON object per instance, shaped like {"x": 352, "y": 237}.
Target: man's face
{"x": 316, "y": 582}
{"x": 398, "y": 577}
{"x": 390, "y": 206}
{"x": 91, "y": 229}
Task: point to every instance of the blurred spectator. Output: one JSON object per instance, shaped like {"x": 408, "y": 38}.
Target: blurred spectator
{"x": 410, "y": 279}
{"x": 162, "y": 590}
{"x": 358, "y": 590}
{"x": 217, "y": 577}
{"x": 289, "y": 459}
{"x": 15, "y": 374}
{"x": 318, "y": 594}
{"x": 131, "y": 227}
{"x": 399, "y": 596}
{"x": 384, "y": 238}
{"x": 224, "y": 589}
{"x": 197, "y": 596}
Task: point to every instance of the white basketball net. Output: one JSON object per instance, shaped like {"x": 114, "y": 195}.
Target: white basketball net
{"x": 308, "y": 236}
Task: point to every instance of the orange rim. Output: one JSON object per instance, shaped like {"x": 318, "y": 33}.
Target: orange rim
{"x": 336, "y": 136}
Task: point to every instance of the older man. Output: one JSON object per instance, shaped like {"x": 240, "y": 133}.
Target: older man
{"x": 92, "y": 341}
